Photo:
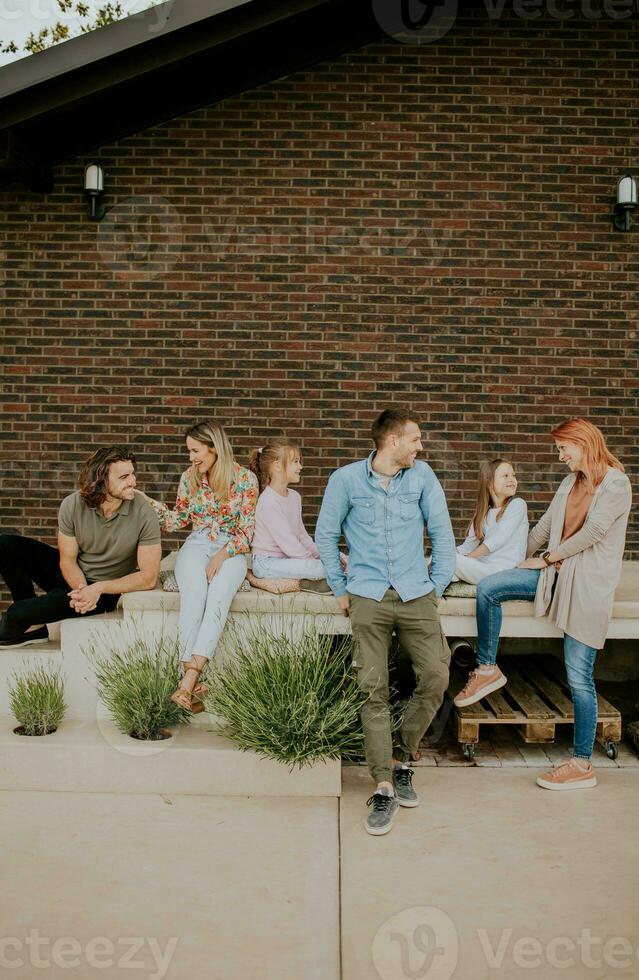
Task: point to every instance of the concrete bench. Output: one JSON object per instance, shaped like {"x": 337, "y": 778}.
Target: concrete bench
{"x": 157, "y": 611}
{"x": 157, "y": 607}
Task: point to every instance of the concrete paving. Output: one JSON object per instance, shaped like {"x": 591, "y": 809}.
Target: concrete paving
{"x": 492, "y": 877}
{"x": 204, "y": 888}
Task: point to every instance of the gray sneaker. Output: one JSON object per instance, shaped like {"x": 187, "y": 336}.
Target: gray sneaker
{"x": 380, "y": 820}
{"x": 403, "y": 783}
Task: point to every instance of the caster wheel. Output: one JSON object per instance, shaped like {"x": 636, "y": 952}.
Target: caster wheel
{"x": 469, "y": 751}
{"x": 611, "y": 750}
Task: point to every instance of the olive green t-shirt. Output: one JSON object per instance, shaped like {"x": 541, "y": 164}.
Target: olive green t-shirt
{"x": 108, "y": 546}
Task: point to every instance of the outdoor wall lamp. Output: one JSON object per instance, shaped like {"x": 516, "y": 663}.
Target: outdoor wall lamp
{"x": 626, "y": 202}
{"x": 94, "y": 189}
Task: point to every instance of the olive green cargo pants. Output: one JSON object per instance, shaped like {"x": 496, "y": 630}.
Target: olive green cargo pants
{"x": 420, "y": 635}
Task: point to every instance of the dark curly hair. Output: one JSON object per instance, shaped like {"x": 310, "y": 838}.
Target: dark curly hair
{"x": 94, "y": 475}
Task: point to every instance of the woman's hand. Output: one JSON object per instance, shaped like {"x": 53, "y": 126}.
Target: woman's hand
{"x": 143, "y": 494}
{"x": 532, "y": 563}
{"x": 215, "y": 564}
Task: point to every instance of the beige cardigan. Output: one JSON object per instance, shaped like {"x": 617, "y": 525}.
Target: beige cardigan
{"x": 591, "y": 559}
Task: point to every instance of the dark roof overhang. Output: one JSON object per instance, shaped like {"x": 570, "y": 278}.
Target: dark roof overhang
{"x": 169, "y": 60}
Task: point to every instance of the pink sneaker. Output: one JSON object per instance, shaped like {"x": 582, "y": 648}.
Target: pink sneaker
{"x": 568, "y": 775}
{"x": 479, "y": 685}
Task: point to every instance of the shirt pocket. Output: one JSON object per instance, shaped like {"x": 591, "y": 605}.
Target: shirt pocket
{"x": 363, "y": 509}
{"x": 409, "y": 505}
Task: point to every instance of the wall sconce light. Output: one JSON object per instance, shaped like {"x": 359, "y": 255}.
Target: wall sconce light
{"x": 626, "y": 202}
{"x": 94, "y": 189}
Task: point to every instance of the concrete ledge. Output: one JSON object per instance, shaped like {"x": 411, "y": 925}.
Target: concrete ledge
{"x": 156, "y": 612}
{"x": 94, "y": 757}
{"x": 457, "y": 614}
{"x": 79, "y": 678}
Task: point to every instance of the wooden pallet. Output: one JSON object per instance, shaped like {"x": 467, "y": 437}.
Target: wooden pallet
{"x": 536, "y": 699}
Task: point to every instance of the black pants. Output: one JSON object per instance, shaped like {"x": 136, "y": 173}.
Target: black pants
{"x": 25, "y": 561}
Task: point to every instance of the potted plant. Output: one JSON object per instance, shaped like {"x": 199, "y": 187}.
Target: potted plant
{"x": 292, "y": 699}
{"x": 135, "y": 681}
{"x": 36, "y": 698}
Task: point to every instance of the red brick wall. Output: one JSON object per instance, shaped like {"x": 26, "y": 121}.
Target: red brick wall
{"x": 426, "y": 226}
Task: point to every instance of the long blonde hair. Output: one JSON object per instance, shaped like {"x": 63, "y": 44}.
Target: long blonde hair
{"x": 212, "y": 434}
{"x": 261, "y": 460}
{"x": 590, "y": 439}
{"x": 487, "y": 471}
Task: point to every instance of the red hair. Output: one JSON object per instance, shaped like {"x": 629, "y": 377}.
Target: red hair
{"x": 596, "y": 455}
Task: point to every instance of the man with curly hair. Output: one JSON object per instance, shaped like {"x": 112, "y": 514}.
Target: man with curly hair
{"x": 108, "y": 543}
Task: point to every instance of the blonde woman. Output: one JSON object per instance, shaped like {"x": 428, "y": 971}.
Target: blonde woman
{"x": 573, "y": 583}
{"x": 217, "y": 497}
{"x": 498, "y": 532}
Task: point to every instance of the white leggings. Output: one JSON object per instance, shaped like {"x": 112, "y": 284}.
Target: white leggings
{"x": 204, "y": 605}
{"x": 473, "y": 570}
{"x": 267, "y": 567}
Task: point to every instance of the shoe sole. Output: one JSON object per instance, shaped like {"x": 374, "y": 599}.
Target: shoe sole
{"x": 576, "y": 784}
{"x": 485, "y": 691}
{"x": 410, "y": 804}
{"x": 381, "y": 831}
{"x": 25, "y": 643}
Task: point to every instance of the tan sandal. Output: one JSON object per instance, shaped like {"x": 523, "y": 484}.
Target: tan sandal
{"x": 200, "y": 689}
{"x": 185, "y": 700}
{"x": 190, "y": 700}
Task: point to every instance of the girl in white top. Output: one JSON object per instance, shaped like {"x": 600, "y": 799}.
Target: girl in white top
{"x": 282, "y": 547}
{"x": 498, "y": 533}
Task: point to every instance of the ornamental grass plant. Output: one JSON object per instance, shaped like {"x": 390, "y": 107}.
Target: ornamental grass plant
{"x": 36, "y": 698}
{"x": 135, "y": 680}
{"x": 292, "y": 699}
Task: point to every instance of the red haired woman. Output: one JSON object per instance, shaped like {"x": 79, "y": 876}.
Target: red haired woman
{"x": 573, "y": 582}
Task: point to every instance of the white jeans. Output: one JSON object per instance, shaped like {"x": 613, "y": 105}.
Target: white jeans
{"x": 266, "y": 567}
{"x": 473, "y": 570}
{"x": 204, "y": 605}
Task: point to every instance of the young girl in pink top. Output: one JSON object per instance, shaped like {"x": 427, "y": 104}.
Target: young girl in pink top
{"x": 282, "y": 547}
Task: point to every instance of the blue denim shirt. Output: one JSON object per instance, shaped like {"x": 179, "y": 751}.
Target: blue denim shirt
{"x": 384, "y": 531}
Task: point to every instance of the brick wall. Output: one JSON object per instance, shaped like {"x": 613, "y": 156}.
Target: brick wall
{"x": 420, "y": 225}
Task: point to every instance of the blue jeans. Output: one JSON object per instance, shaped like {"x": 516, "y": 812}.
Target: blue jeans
{"x": 521, "y": 583}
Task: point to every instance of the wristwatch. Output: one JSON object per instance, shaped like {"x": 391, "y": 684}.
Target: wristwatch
{"x": 545, "y": 557}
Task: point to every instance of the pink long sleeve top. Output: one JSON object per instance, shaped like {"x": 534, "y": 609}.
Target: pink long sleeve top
{"x": 279, "y": 528}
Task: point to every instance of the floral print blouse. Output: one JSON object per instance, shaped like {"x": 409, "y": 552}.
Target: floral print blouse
{"x": 235, "y": 517}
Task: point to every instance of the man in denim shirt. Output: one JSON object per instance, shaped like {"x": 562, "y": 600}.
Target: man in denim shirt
{"x": 381, "y": 505}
